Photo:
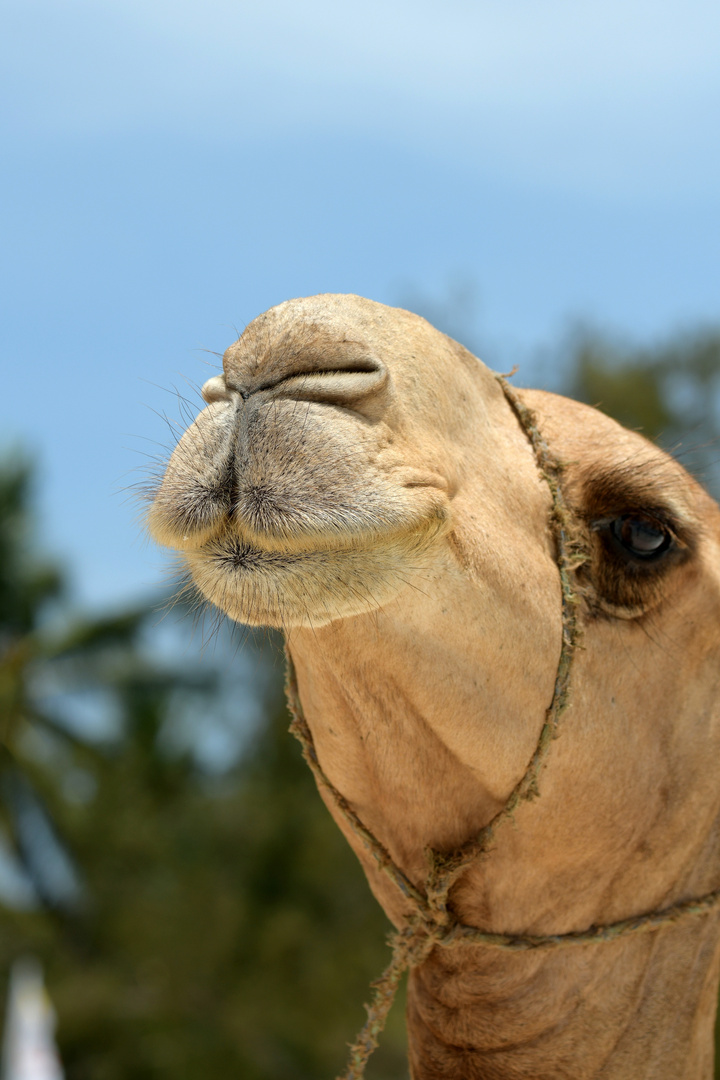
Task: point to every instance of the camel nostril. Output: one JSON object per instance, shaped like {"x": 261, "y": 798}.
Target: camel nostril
{"x": 342, "y": 374}
{"x": 341, "y": 383}
{"x": 215, "y": 389}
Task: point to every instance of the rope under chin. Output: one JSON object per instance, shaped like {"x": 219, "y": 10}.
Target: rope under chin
{"x": 432, "y": 922}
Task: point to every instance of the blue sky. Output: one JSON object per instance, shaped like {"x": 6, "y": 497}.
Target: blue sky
{"x": 171, "y": 169}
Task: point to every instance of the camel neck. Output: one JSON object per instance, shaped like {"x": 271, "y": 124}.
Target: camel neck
{"x": 421, "y": 769}
{"x": 415, "y": 735}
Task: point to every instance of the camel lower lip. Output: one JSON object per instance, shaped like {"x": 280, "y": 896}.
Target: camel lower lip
{"x": 309, "y": 586}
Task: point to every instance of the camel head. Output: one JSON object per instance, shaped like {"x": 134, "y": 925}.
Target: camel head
{"x": 363, "y": 482}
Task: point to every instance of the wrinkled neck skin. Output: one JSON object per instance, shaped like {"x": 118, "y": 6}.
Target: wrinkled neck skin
{"x": 412, "y": 725}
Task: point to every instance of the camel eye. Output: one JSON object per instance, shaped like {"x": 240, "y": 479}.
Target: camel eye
{"x": 641, "y": 538}
{"x": 630, "y": 561}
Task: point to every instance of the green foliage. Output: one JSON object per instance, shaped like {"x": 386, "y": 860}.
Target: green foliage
{"x": 26, "y": 582}
{"x": 229, "y": 932}
{"x": 629, "y": 392}
{"x": 209, "y": 925}
{"x": 671, "y": 394}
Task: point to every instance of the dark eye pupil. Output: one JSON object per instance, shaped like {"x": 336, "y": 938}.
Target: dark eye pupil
{"x": 640, "y": 536}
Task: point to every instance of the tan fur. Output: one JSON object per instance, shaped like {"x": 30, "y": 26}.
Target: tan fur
{"x": 360, "y": 480}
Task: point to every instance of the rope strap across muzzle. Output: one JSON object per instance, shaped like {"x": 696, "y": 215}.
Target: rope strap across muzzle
{"x": 433, "y": 923}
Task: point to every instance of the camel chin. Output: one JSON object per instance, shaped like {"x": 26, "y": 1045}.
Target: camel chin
{"x": 261, "y": 586}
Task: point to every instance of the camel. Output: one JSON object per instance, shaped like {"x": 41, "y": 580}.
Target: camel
{"x": 364, "y": 483}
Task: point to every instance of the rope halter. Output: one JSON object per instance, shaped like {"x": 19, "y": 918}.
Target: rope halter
{"x": 432, "y": 922}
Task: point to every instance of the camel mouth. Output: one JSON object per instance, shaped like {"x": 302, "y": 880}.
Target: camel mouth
{"x": 283, "y": 537}
{"x": 258, "y": 524}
